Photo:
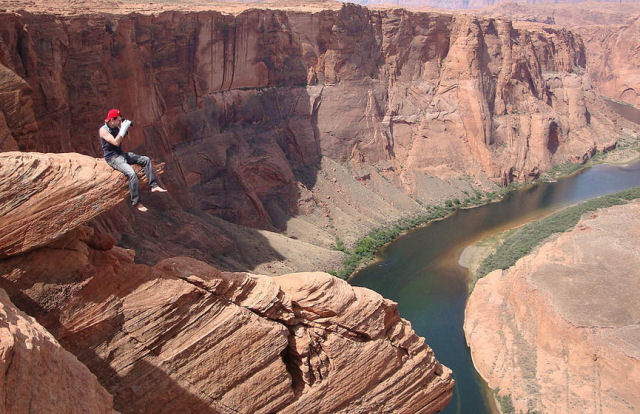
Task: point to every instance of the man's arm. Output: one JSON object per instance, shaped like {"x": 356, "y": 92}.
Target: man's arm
{"x": 104, "y": 134}
{"x": 124, "y": 127}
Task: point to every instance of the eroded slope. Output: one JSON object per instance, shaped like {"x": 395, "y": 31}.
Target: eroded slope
{"x": 317, "y": 125}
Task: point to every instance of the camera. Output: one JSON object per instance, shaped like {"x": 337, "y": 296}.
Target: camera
{"x": 130, "y": 120}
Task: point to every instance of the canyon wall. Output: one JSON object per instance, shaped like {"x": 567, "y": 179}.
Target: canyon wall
{"x": 611, "y": 31}
{"x": 464, "y": 4}
{"x": 279, "y": 132}
{"x": 559, "y": 331}
{"x": 182, "y": 336}
{"x": 614, "y": 60}
{"x": 315, "y": 125}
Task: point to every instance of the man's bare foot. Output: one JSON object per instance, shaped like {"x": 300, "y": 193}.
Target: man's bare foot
{"x": 158, "y": 189}
{"x": 141, "y": 208}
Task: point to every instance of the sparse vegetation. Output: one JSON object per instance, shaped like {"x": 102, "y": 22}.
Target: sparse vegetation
{"x": 506, "y": 404}
{"x": 564, "y": 169}
{"x": 526, "y": 238}
{"x": 340, "y": 246}
{"x": 365, "y": 249}
{"x": 627, "y": 148}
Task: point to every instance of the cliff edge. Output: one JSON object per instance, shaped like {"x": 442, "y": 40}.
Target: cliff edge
{"x": 181, "y": 336}
{"x": 559, "y": 331}
{"x": 43, "y": 196}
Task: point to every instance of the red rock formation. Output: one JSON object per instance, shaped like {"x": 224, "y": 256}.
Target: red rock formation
{"x": 611, "y": 32}
{"x": 558, "y": 332}
{"x": 426, "y": 99}
{"x": 37, "y": 375}
{"x": 471, "y": 4}
{"x": 43, "y": 196}
{"x": 467, "y": 103}
{"x": 614, "y": 61}
{"x": 182, "y": 336}
{"x": 566, "y": 14}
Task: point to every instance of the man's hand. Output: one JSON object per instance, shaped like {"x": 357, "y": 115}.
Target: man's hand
{"x": 124, "y": 127}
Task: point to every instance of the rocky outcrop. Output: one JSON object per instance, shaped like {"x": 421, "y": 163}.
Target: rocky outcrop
{"x": 46, "y": 195}
{"x": 269, "y": 118}
{"x": 43, "y": 196}
{"x": 347, "y": 332}
{"x": 38, "y": 375}
{"x": 182, "y": 336}
{"x": 469, "y": 4}
{"x": 614, "y": 61}
{"x": 558, "y": 332}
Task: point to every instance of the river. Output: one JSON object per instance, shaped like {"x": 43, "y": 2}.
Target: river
{"x": 420, "y": 270}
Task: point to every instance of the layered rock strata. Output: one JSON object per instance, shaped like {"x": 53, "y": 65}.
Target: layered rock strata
{"x": 182, "y": 336}
{"x": 37, "y": 375}
{"x": 614, "y": 60}
{"x": 611, "y": 32}
{"x": 306, "y": 123}
{"x": 567, "y": 15}
{"x": 43, "y": 196}
{"x": 560, "y": 331}
{"x": 471, "y": 4}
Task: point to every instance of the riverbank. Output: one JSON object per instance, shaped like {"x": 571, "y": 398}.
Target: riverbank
{"x": 557, "y": 332}
{"x": 627, "y": 151}
{"x": 473, "y": 255}
{"x": 365, "y": 250}
{"x": 420, "y": 270}
{"x": 503, "y": 250}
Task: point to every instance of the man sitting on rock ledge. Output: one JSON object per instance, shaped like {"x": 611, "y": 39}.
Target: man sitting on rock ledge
{"x": 111, "y": 135}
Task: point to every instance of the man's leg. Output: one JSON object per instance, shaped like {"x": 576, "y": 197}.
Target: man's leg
{"x": 120, "y": 163}
{"x": 144, "y": 161}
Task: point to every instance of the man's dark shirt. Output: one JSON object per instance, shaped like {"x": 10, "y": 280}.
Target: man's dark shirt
{"x": 109, "y": 149}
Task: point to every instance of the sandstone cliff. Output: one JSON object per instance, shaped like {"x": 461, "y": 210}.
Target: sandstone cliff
{"x": 559, "y": 331}
{"x": 37, "y": 375}
{"x": 43, "y": 196}
{"x": 611, "y": 31}
{"x": 613, "y": 60}
{"x": 567, "y": 15}
{"x": 470, "y": 4}
{"x": 182, "y": 336}
{"x": 317, "y": 125}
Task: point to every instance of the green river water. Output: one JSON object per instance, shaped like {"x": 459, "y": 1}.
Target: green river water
{"x": 420, "y": 270}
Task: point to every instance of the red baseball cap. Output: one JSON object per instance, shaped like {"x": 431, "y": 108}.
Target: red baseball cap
{"x": 114, "y": 113}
